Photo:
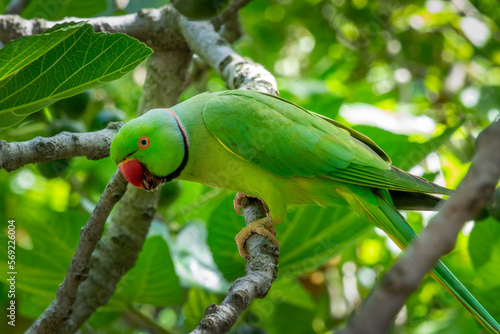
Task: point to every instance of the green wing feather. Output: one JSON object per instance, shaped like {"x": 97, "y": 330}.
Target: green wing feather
{"x": 287, "y": 140}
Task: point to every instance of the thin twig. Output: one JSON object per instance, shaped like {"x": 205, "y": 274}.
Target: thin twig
{"x": 437, "y": 239}
{"x": 232, "y": 11}
{"x": 62, "y": 307}
{"x": 92, "y": 145}
{"x": 231, "y": 30}
{"x": 16, "y": 6}
{"x": 261, "y": 271}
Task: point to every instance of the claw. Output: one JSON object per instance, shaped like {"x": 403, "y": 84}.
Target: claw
{"x": 263, "y": 227}
{"x": 237, "y": 202}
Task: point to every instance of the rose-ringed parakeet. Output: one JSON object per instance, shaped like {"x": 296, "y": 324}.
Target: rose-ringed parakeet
{"x": 272, "y": 149}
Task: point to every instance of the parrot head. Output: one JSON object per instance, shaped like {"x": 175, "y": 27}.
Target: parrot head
{"x": 151, "y": 149}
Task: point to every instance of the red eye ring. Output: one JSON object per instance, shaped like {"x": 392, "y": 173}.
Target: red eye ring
{"x": 144, "y": 142}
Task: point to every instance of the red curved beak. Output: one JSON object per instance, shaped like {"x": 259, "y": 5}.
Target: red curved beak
{"x": 138, "y": 175}
{"x": 132, "y": 171}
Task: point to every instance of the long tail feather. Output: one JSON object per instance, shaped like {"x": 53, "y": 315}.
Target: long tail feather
{"x": 383, "y": 214}
{"x": 404, "y": 200}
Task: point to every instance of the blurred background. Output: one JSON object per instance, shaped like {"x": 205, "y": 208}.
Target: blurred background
{"x": 422, "y": 79}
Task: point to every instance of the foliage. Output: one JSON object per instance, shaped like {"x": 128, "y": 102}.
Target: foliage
{"x": 412, "y": 76}
{"x": 67, "y": 59}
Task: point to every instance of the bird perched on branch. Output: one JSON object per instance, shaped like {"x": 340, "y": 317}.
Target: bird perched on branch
{"x": 266, "y": 147}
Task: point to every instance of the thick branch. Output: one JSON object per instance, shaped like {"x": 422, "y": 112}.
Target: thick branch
{"x": 230, "y": 66}
{"x": 150, "y": 26}
{"x": 164, "y": 80}
{"x": 92, "y": 145}
{"x": 437, "y": 239}
{"x": 118, "y": 250}
{"x": 261, "y": 271}
{"x": 62, "y": 307}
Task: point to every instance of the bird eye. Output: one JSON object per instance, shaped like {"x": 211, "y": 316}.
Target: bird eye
{"x": 144, "y": 142}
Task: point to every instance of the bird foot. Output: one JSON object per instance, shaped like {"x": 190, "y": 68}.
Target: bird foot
{"x": 237, "y": 203}
{"x": 263, "y": 227}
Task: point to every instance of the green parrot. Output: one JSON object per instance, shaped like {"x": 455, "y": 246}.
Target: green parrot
{"x": 266, "y": 147}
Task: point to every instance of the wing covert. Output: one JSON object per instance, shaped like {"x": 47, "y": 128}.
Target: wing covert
{"x": 289, "y": 141}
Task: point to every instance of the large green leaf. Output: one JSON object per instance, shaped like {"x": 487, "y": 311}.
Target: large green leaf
{"x": 153, "y": 279}
{"x": 68, "y": 59}
{"x": 484, "y": 250}
{"x": 56, "y": 10}
{"x": 223, "y": 226}
{"x": 313, "y": 235}
{"x": 289, "y": 290}
{"x": 42, "y": 268}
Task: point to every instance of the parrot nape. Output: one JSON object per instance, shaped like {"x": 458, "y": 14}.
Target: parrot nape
{"x": 272, "y": 149}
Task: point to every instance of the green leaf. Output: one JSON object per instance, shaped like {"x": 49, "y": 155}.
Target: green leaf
{"x": 222, "y": 227}
{"x": 24, "y": 50}
{"x": 313, "y": 235}
{"x": 277, "y": 317}
{"x": 31, "y": 305}
{"x": 68, "y": 59}
{"x": 289, "y": 291}
{"x": 484, "y": 250}
{"x": 57, "y": 10}
{"x": 194, "y": 308}
{"x": 3, "y": 4}
{"x": 153, "y": 279}
{"x": 42, "y": 268}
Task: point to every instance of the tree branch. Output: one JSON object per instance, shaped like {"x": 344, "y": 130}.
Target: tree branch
{"x": 437, "y": 239}
{"x": 261, "y": 271}
{"x": 62, "y": 307}
{"x": 115, "y": 254}
{"x": 151, "y": 26}
{"x": 92, "y": 145}
{"x": 230, "y": 66}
